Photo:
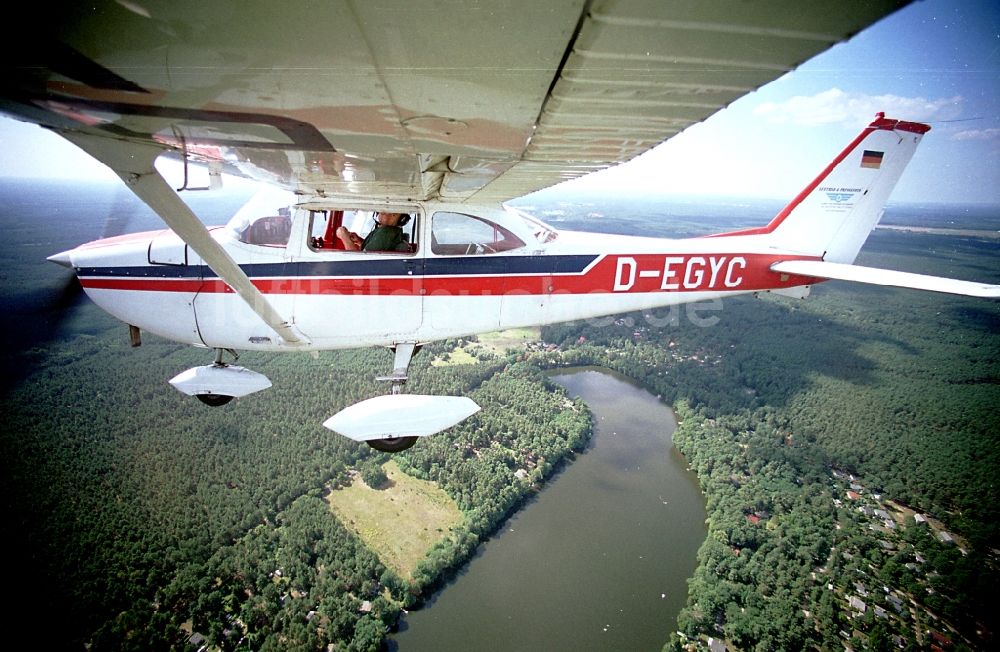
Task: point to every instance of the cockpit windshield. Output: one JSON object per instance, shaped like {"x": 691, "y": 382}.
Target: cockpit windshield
{"x": 543, "y": 232}
{"x": 265, "y": 220}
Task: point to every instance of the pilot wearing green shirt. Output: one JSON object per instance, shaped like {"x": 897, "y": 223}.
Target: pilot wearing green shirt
{"x": 386, "y": 236}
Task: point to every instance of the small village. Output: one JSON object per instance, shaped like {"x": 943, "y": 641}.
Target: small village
{"x": 874, "y": 532}
{"x": 902, "y": 536}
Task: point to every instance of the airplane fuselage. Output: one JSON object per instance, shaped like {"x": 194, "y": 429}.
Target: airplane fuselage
{"x": 510, "y": 273}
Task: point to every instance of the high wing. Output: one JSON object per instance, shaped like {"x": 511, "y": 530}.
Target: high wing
{"x": 422, "y": 99}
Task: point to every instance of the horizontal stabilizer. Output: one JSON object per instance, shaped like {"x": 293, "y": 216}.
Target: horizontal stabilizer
{"x": 401, "y": 415}
{"x": 875, "y": 276}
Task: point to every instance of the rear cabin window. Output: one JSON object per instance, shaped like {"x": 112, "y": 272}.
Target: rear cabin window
{"x": 458, "y": 234}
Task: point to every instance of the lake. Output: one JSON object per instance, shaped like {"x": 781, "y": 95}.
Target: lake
{"x": 598, "y": 559}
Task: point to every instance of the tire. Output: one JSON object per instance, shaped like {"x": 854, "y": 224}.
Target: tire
{"x": 214, "y": 400}
{"x": 392, "y": 445}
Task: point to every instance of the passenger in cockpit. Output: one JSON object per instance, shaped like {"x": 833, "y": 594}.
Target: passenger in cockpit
{"x": 386, "y": 236}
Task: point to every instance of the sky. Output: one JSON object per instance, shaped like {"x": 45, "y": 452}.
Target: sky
{"x": 935, "y": 61}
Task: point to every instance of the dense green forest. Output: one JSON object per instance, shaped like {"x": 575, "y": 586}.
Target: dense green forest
{"x": 148, "y": 517}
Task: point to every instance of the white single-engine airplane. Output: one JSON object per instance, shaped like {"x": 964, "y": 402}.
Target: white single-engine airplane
{"x": 436, "y": 111}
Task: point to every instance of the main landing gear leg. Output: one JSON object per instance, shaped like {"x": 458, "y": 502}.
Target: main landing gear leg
{"x": 400, "y": 364}
{"x": 404, "y": 352}
{"x": 218, "y": 400}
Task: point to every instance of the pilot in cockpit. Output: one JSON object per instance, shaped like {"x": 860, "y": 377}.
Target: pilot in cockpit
{"x": 386, "y": 236}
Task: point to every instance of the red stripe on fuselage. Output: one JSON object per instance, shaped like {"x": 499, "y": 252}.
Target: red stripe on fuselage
{"x": 613, "y": 274}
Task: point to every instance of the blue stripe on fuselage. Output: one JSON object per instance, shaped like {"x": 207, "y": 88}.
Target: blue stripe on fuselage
{"x": 395, "y": 266}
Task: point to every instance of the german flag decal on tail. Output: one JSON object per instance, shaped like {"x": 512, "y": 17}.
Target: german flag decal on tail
{"x": 871, "y": 159}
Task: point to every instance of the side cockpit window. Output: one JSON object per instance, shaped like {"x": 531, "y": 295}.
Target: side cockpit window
{"x": 458, "y": 234}
{"x": 363, "y": 231}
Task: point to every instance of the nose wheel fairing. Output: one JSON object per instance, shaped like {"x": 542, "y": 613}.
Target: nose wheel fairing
{"x": 217, "y": 384}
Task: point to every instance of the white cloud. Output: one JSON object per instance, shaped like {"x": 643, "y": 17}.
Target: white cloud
{"x": 977, "y": 134}
{"x": 853, "y": 110}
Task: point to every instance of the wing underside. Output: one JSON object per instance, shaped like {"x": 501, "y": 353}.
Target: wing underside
{"x": 469, "y": 101}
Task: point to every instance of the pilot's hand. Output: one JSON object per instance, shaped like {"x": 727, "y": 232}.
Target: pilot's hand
{"x": 351, "y": 240}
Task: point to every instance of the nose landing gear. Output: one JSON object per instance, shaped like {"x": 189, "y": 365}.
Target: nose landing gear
{"x": 218, "y": 383}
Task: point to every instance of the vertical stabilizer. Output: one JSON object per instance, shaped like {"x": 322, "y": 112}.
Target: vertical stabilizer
{"x": 834, "y": 214}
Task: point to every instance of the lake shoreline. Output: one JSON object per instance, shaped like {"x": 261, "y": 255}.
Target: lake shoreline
{"x": 574, "y": 529}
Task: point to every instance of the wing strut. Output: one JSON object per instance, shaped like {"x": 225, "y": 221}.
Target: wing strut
{"x": 133, "y": 162}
